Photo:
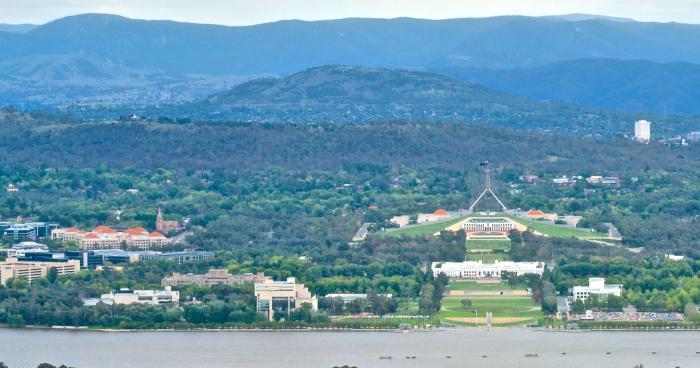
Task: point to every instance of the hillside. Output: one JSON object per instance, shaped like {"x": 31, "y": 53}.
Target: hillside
{"x": 636, "y": 85}
{"x": 195, "y": 55}
{"x": 346, "y": 94}
{"x": 39, "y": 141}
{"x": 55, "y": 80}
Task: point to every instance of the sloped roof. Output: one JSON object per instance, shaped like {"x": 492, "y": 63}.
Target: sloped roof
{"x": 104, "y": 230}
{"x": 440, "y": 212}
{"x": 535, "y": 213}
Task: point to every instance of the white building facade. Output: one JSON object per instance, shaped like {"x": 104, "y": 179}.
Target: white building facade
{"x": 596, "y": 286}
{"x": 642, "y": 131}
{"x": 480, "y": 270}
{"x": 150, "y": 297}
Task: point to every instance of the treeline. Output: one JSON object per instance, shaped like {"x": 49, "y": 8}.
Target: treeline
{"x": 207, "y": 145}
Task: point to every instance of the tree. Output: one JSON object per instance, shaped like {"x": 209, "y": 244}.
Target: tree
{"x": 52, "y": 275}
{"x": 466, "y": 303}
{"x": 426, "y": 304}
{"x": 578, "y": 307}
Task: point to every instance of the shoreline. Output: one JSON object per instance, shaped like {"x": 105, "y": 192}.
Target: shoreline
{"x": 339, "y": 330}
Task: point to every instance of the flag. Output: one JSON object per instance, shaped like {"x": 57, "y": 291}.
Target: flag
{"x": 484, "y": 163}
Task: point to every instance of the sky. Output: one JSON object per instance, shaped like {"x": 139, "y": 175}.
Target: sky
{"x": 246, "y": 12}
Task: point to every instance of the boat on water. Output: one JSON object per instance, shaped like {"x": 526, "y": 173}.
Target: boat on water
{"x": 531, "y": 355}
{"x": 386, "y": 357}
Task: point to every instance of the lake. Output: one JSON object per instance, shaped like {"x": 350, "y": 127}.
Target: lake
{"x": 501, "y": 348}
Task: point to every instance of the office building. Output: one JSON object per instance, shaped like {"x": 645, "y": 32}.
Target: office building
{"x": 30, "y": 271}
{"x": 642, "y": 131}
{"x": 20, "y": 249}
{"x": 596, "y": 286}
{"x": 105, "y": 237}
{"x": 480, "y": 270}
{"x": 27, "y": 231}
{"x": 150, "y": 297}
{"x": 282, "y": 297}
{"x": 213, "y": 277}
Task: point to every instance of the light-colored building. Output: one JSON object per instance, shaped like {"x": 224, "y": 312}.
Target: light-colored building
{"x": 213, "y": 277}
{"x": 104, "y": 237}
{"x": 438, "y": 215}
{"x": 642, "y": 131}
{"x": 487, "y": 227}
{"x": 401, "y": 221}
{"x": 479, "y": 270}
{"x": 596, "y": 286}
{"x": 11, "y": 188}
{"x": 30, "y": 271}
{"x": 282, "y": 296}
{"x": 150, "y": 297}
{"x": 20, "y": 249}
{"x": 564, "y": 182}
{"x": 349, "y": 298}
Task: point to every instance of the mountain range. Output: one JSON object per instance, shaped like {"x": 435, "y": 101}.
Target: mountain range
{"x": 107, "y": 60}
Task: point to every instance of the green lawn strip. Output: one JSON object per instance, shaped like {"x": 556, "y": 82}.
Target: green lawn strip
{"x": 556, "y": 230}
{"x": 502, "y": 306}
{"x": 493, "y": 244}
{"x": 487, "y": 257}
{"x": 473, "y": 285}
{"x": 422, "y": 230}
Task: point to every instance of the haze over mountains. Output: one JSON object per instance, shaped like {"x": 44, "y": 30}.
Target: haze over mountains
{"x": 636, "y": 85}
{"x": 108, "y": 60}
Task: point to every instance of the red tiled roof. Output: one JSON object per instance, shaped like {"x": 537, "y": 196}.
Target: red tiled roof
{"x": 136, "y": 231}
{"x": 72, "y": 230}
{"x": 440, "y": 212}
{"x": 91, "y": 236}
{"x": 104, "y": 230}
{"x": 535, "y": 213}
{"x": 155, "y": 234}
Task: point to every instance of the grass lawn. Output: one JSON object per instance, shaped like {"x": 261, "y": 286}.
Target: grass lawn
{"x": 421, "y": 230}
{"x": 507, "y": 310}
{"x": 487, "y": 257}
{"x": 558, "y": 231}
{"x": 493, "y": 244}
{"x": 473, "y": 285}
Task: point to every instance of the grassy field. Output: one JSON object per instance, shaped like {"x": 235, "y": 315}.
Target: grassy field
{"x": 473, "y": 285}
{"x": 493, "y": 244}
{"x": 487, "y": 257}
{"x": 507, "y": 310}
{"x": 556, "y": 230}
{"x": 422, "y": 230}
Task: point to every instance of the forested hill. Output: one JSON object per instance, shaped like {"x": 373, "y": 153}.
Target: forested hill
{"x": 350, "y": 94}
{"x": 243, "y": 146}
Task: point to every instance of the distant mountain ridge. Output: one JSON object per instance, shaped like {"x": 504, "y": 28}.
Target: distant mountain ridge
{"x": 102, "y": 59}
{"x": 636, "y": 85}
{"x": 288, "y": 46}
{"x": 17, "y": 28}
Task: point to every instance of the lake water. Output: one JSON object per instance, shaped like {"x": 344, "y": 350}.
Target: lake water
{"x": 502, "y": 348}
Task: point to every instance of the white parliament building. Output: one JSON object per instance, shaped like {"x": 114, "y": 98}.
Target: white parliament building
{"x": 480, "y": 270}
